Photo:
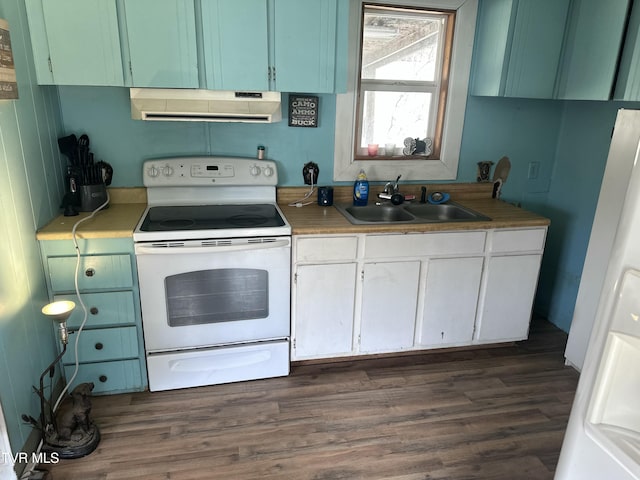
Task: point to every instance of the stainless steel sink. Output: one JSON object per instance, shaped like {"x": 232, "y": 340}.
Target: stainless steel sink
{"x": 445, "y": 212}
{"x": 376, "y": 214}
{"x": 409, "y": 213}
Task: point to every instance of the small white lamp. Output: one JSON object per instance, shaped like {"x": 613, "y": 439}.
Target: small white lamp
{"x": 59, "y": 312}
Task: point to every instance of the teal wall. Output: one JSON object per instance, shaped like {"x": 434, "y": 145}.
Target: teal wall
{"x": 524, "y": 130}
{"x": 582, "y": 150}
{"x": 30, "y": 191}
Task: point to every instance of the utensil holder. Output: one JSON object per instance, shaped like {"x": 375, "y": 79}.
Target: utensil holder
{"x": 91, "y": 197}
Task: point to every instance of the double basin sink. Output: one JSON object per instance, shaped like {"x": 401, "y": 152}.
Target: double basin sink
{"x": 409, "y": 213}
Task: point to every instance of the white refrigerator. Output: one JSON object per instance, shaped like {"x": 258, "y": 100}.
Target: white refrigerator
{"x": 602, "y": 440}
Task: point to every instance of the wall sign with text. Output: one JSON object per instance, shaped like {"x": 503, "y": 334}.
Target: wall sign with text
{"x": 8, "y": 83}
{"x": 303, "y": 110}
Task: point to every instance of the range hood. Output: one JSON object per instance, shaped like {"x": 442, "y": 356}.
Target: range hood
{"x": 194, "y": 105}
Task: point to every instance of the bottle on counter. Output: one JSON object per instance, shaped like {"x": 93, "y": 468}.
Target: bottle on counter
{"x": 361, "y": 190}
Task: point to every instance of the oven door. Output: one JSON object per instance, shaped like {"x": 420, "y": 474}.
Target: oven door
{"x": 204, "y": 293}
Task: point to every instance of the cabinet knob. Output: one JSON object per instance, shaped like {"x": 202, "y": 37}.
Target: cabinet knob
{"x": 89, "y": 272}
{"x": 99, "y": 346}
{"x": 102, "y": 378}
{"x": 94, "y": 310}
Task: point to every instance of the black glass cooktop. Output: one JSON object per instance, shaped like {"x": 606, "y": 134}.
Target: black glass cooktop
{"x": 210, "y": 217}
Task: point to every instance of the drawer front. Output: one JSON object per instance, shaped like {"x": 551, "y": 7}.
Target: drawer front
{"x": 427, "y": 244}
{"x": 120, "y": 376}
{"x": 103, "y": 309}
{"x": 326, "y": 249}
{"x": 96, "y": 272}
{"x": 103, "y": 344}
{"x": 524, "y": 240}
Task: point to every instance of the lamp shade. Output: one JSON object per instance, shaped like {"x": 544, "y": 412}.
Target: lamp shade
{"x": 59, "y": 311}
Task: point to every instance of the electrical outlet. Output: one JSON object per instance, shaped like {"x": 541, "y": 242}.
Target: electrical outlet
{"x": 534, "y": 170}
{"x": 310, "y": 173}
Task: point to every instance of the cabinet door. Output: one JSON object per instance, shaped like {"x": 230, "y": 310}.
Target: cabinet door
{"x": 389, "y": 299}
{"x": 451, "y": 298}
{"x": 83, "y": 41}
{"x": 162, "y": 43}
{"x": 236, "y": 48}
{"x": 323, "y": 310}
{"x": 591, "y": 50}
{"x": 510, "y": 287}
{"x": 628, "y": 80}
{"x": 518, "y": 47}
{"x": 305, "y": 45}
{"x": 535, "y": 48}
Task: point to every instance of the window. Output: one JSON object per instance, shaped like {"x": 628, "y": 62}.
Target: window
{"x": 403, "y": 71}
{"x": 410, "y": 64}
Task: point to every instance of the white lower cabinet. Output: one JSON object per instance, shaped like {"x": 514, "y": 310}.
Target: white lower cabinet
{"x": 323, "y": 310}
{"x": 510, "y": 287}
{"x": 389, "y": 298}
{"x": 450, "y": 301}
{"x": 374, "y": 293}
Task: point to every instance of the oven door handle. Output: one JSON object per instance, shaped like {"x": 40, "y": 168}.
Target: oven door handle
{"x": 147, "y": 250}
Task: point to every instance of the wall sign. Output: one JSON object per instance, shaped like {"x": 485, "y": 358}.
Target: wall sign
{"x": 8, "y": 83}
{"x": 303, "y": 110}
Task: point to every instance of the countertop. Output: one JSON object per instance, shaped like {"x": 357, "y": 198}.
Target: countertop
{"x": 120, "y": 219}
{"x": 314, "y": 219}
{"x": 117, "y": 221}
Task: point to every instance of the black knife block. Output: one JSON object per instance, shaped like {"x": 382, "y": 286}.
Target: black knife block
{"x": 91, "y": 197}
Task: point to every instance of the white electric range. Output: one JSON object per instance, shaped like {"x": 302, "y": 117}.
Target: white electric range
{"x": 214, "y": 257}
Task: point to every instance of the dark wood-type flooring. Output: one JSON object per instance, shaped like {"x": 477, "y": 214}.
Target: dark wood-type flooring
{"x": 489, "y": 413}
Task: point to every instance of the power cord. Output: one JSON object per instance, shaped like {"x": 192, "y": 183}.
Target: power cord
{"x": 84, "y": 307}
{"x": 302, "y": 202}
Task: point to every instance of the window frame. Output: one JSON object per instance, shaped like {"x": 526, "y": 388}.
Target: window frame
{"x": 346, "y": 165}
{"x": 437, "y": 87}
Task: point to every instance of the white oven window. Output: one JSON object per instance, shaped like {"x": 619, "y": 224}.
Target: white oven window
{"x": 217, "y": 295}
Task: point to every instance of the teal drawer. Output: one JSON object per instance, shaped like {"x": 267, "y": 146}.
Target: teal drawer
{"x": 104, "y": 309}
{"x": 96, "y": 272}
{"x": 109, "y": 377}
{"x": 103, "y": 344}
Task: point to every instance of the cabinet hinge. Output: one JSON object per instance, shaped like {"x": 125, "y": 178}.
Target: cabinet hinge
{"x": 50, "y": 64}
{"x": 293, "y": 343}
{"x": 269, "y": 73}
{"x": 274, "y": 74}
{"x": 362, "y": 274}
{"x": 295, "y": 277}
{"x": 130, "y": 69}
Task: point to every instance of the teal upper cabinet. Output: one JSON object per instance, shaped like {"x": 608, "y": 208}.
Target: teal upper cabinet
{"x": 282, "y": 45}
{"x": 628, "y": 80}
{"x": 75, "y": 42}
{"x": 591, "y": 51}
{"x": 161, "y": 37}
{"x": 305, "y": 45}
{"x": 518, "y": 46}
{"x": 236, "y": 53}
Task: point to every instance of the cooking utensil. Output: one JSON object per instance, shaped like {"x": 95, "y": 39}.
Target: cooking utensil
{"x": 107, "y": 172}
{"x": 500, "y": 175}
{"x": 83, "y": 141}
{"x": 67, "y": 146}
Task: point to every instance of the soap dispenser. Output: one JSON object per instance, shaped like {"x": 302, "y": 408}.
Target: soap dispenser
{"x": 361, "y": 190}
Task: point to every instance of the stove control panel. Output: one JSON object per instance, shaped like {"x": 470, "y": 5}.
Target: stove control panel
{"x": 209, "y": 171}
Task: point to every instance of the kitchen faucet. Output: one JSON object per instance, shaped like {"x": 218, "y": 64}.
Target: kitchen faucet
{"x": 391, "y": 192}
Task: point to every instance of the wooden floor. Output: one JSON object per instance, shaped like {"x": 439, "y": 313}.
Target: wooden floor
{"x": 495, "y": 413}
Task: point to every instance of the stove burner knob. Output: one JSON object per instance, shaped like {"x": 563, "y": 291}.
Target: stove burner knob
{"x": 153, "y": 171}
{"x": 167, "y": 171}
{"x": 255, "y": 171}
{"x": 268, "y": 172}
